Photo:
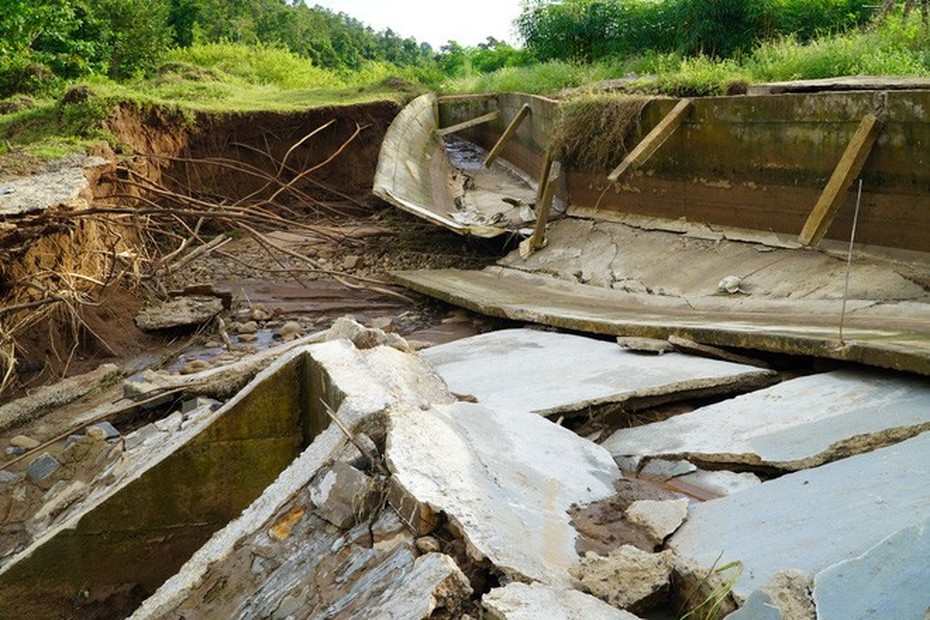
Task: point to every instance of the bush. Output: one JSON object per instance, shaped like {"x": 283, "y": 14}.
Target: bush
{"x": 22, "y": 74}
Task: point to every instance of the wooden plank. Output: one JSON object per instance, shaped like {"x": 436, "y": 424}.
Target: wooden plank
{"x": 653, "y": 140}
{"x": 508, "y": 133}
{"x": 846, "y": 171}
{"x": 487, "y": 118}
{"x": 543, "y": 208}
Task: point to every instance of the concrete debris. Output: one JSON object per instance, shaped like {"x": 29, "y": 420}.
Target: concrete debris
{"x": 509, "y": 498}
{"x": 520, "y": 601}
{"x": 140, "y": 436}
{"x": 344, "y": 496}
{"x": 43, "y": 467}
{"x": 290, "y": 331}
{"x": 887, "y": 581}
{"x": 658, "y": 518}
{"x": 8, "y": 477}
{"x": 813, "y": 519}
{"x": 787, "y": 596}
{"x": 498, "y": 366}
{"x": 63, "y": 183}
{"x": 796, "y": 424}
{"x": 44, "y": 400}
{"x": 729, "y": 285}
{"x": 427, "y": 544}
{"x": 709, "y": 484}
{"x": 628, "y": 578}
{"x": 109, "y": 431}
{"x": 645, "y": 345}
{"x": 179, "y": 312}
{"x": 662, "y": 468}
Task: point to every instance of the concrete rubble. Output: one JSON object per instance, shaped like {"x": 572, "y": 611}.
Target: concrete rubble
{"x": 179, "y": 312}
{"x": 497, "y": 368}
{"x": 520, "y": 601}
{"x": 794, "y": 425}
{"x": 629, "y": 578}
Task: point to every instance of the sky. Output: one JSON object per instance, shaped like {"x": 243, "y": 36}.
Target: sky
{"x": 467, "y": 22}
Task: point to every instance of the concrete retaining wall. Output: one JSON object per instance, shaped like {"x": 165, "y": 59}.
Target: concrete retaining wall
{"x": 757, "y": 162}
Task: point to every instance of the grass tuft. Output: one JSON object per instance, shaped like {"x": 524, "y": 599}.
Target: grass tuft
{"x": 592, "y": 131}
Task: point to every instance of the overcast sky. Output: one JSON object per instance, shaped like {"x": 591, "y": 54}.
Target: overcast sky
{"x": 468, "y": 22}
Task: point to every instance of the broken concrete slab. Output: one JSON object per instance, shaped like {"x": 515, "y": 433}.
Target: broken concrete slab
{"x": 887, "y": 581}
{"x": 504, "y": 479}
{"x": 813, "y": 519}
{"x": 658, "y": 518}
{"x": 521, "y": 601}
{"x": 710, "y": 484}
{"x": 343, "y": 495}
{"x": 63, "y": 183}
{"x": 57, "y": 395}
{"x": 796, "y": 424}
{"x": 629, "y": 578}
{"x": 179, "y": 312}
{"x": 527, "y": 370}
{"x": 785, "y": 597}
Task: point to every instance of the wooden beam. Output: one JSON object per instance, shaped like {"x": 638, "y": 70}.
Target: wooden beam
{"x": 544, "y": 196}
{"x": 653, "y": 140}
{"x": 508, "y": 133}
{"x": 849, "y": 167}
{"x": 487, "y": 118}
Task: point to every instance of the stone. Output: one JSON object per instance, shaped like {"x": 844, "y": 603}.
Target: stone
{"x": 249, "y": 327}
{"x": 343, "y": 495}
{"x": 427, "y": 544}
{"x": 43, "y": 467}
{"x": 185, "y": 311}
{"x": 717, "y": 483}
{"x": 521, "y": 601}
{"x": 812, "y": 519}
{"x": 14, "y": 451}
{"x": 22, "y": 441}
{"x": 658, "y": 518}
{"x": 662, "y": 468}
{"x": 785, "y": 597}
{"x": 628, "y": 578}
{"x": 95, "y": 433}
{"x": 140, "y": 436}
{"x": 170, "y": 424}
{"x": 888, "y": 580}
{"x": 384, "y": 323}
{"x": 797, "y": 424}
{"x": 194, "y": 404}
{"x": 729, "y": 285}
{"x": 194, "y": 366}
{"x": 498, "y": 367}
{"x": 352, "y": 261}
{"x": 290, "y": 331}
{"x": 109, "y": 430}
{"x": 8, "y": 477}
{"x": 248, "y": 338}
{"x": 504, "y": 479}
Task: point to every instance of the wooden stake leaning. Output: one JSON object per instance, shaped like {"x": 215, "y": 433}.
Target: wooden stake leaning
{"x": 507, "y": 135}
{"x": 487, "y": 118}
{"x": 653, "y": 140}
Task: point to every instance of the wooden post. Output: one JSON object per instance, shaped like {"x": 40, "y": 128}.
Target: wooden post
{"x": 653, "y": 140}
{"x": 508, "y": 133}
{"x": 487, "y": 118}
{"x": 849, "y": 167}
{"x": 544, "y": 195}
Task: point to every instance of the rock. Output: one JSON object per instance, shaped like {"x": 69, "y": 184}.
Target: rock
{"x": 8, "y": 477}
{"x": 343, "y": 495}
{"x": 140, "y": 436}
{"x": 645, "y": 345}
{"x": 719, "y": 483}
{"x": 520, "y": 601}
{"x": 290, "y": 331}
{"x": 785, "y": 597}
{"x": 505, "y": 480}
{"x": 248, "y": 338}
{"x": 388, "y": 528}
{"x": 797, "y": 424}
{"x": 497, "y": 367}
{"x": 813, "y": 519}
{"x": 352, "y": 262}
{"x": 109, "y": 430}
{"x": 14, "y": 451}
{"x": 43, "y": 467}
{"x": 628, "y": 578}
{"x": 729, "y": 285}
{"x": 26, "y": 443}
{"x": 658, "y": 519}
{"x": 427, "y": 544}
{"x": 249, "y": 327}
{"x": 179, "y": 312}
{"x": 384, "y": 323}
{"x": 259, "y": 313}
{"x": 171, "y": 423}
{"x": 887, "y": 581}
{"x": 96, "y": 433}
{"x": 667, "y": 469}
{"x": 193, "y": 404}
{"x": 193, "y": 366}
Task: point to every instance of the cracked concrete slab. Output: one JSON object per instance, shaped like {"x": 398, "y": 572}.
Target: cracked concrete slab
{"x": 505, "y": 479}
{"x": 520, "y": 601}
{"x": 547, "y": 372}
{"x": 794, "y": 425}
{"x": 64, "y": 182}
{"x": 813, "y": 519}
{"x": 887, "y": 581}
